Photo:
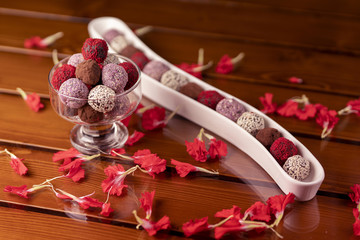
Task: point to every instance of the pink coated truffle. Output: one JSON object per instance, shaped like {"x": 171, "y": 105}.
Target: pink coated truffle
{"x": 75, "y": 59}
{"x": 230, "y": 108}
{"x": 114, "y": 77}
{"x": 73, "y": 93}
{"x": 155, "y": 69}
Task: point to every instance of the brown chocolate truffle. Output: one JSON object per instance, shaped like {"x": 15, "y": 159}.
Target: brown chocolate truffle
{"x": 191, "y": 90}
{"x": 267, "y": 136}
{"x": 88, "y": 71}
{"x": 89, "y": 115}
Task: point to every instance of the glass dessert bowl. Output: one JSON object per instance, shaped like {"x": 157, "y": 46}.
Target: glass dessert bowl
{"x": 97, "y": 113}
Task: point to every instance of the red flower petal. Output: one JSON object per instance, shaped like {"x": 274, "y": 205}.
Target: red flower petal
{"x": 18, "y": 166}
{"x": 269, "y": 106}
{"x": 63, "y": 196}
{"x": 142, "y": 152}
{"x": 153, "y": 227}
{"x": 146, "y": 202}
{"x": 152, "y": 164}
{"x": 126, "y": 121}
{"x": 217, "y": 148}
{"x": 113, "y": 185}
{"x": 355, "y": 195}
{"x": 195, "y": 226}
{"x": 295, "y": 80}
{"x": 278, "y": 203}
{"x": 153, "y": 118}
{"x": 34, "y": 42}
{"x": 355, "y": 106}
{"x": 21, "y": 191}
{"x": 106, "y": 210}
{"x": 327, "y": 118}
{"x": 70, "y": 153}
{"x": 288, "y": 109}
{"x": 33, "y": 101}
{"x": 259, "y": 211}
{"x": 233, "y": 225}
{"x": 308, "y": 112}
{"x": 75, "y": 171}
{"x": 197, "y": 150}
{"x": 86, "y": 202}
{"x": 225, "y": 65}
{"x": 182, "y": 168}
{"x": 235, "y": 211}
{"x": 356, "y": 227}
{"x": 136, "y": 136}
{"x": 114, "y": 170}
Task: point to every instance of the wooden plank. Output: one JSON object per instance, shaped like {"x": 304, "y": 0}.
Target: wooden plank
{"x": 258, "y": 23}
{"x": 180, "y": 199}
{"x": 18, "y": 224}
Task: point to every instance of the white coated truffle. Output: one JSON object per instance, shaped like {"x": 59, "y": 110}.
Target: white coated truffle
{"x": 251, "y": 122}
{"x": 173, "y": 80}
{"x": 102, "y": 98}
{"x": 75, "y": 59}
{"x": 111, "y": 58}
{"x": 297, "y": 167}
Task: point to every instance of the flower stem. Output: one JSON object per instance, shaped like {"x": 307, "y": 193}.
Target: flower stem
{"x": 203, "y": 67}
{"x": 345, "y": 111}
{"x": 88, "y": 158}
{"x": 10, "y": 153}
{"x": 238, "y": 58}
{"x": 199, "y": 136}
{"x": 22, "y": 93}
{"x": 49, "y": 180}
{"x": 200, "y": 169}
{"x": 221, "y": 222}
{"x": 143, "y": 30}
{"x": 171, "y": 115}
{"x": 143, "y": 109}
{"x": 52, "y": 38}
{"x": 200, "y": 57}
{"x": 138, "y": 219}
{"x": 54, "y": 55}
{"x": 122, "y": 156}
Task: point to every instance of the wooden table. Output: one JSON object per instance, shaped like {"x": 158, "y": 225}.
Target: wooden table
{"x": 316, "y": 41}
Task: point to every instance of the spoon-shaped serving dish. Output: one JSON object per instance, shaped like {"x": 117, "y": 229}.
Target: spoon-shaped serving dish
{"x": 215, "y": 122}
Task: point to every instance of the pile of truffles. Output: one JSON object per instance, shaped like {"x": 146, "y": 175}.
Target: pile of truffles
{"x": 282, "y": 149}
{"x": 91, "y": 82}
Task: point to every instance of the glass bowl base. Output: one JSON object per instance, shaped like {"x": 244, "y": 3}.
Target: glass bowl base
{"x": 91, "y": 140}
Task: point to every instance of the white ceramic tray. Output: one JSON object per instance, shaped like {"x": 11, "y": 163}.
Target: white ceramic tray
{"x": 215, "y": 122}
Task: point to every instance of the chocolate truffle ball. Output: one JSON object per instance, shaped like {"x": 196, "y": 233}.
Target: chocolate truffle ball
{"x": 111, "y": 58}
{"x": 251, "y": 122}
{"x": 89, "y": 115}
{"x": 116, "y": 40}
{"x": 114, "y": 77}
{"x": 155, "y": 69}
{"x": 140, "y": 59}
{"x": 95, "y": 49}
{"x": 88, "y": 71}
{"x": 297, "y": 167}
{"x": 129, "y": 51}
{"x": 282, "y": 149}
{"x": 102, "y": 98}
{"x": 267, "y": 136}
{"x": 230, "y": 108}
{"x": 73, "y": 93}
{"x": 132, "y": 72}
{"x": 62, "y": 74}
{"x": 75, "y": 59}
{"x": 210, "y": 98}
{"x": 122, "y": 105}
{"x": 173, "y": 79}
{"x": 191, "y": 90}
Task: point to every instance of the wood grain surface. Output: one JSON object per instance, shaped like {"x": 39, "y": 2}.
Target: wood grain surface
{"x": 318, "y": 42}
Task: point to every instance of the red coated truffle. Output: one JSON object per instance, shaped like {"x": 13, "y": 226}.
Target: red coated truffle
{"x": 132, "y": 74}
{"x": 62, "y": 74}
{"x": 95, "y": 49}
{"x": 282, "y": 149}
{"x": 140, "y": 59}
{"x": 210, "y": 98}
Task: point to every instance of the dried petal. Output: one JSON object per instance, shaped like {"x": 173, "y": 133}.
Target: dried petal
{"x": 355, "y": 195}
{"x": 233, "y": 225}
{"x": 33, "y": 101}
{"x": 217, "y": 148}
{"x": 308, "y": 112}
{"x": 61, "y": 155}
{"x": 146, "y": 202}
{"x": 288, "y": 109}
{"x": 21, "y": 191}
{"x": 195, "y": 226}
{"x": 259, "y": 211}
{"x": 197, "y": 150}
{"x": 106, "y": 210}
{"x": 153, "y": 227}
{"x": 136, "y": 136}
{"x": 269, "y": 106}
{"x": 189, "y": 68}
{"x": 153, "y": 118}
{"x": 278, "y": 203}
{"x": 234, "y": 211}
{"x": 183, "y": 169}
{"x": 295, "y": 80}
